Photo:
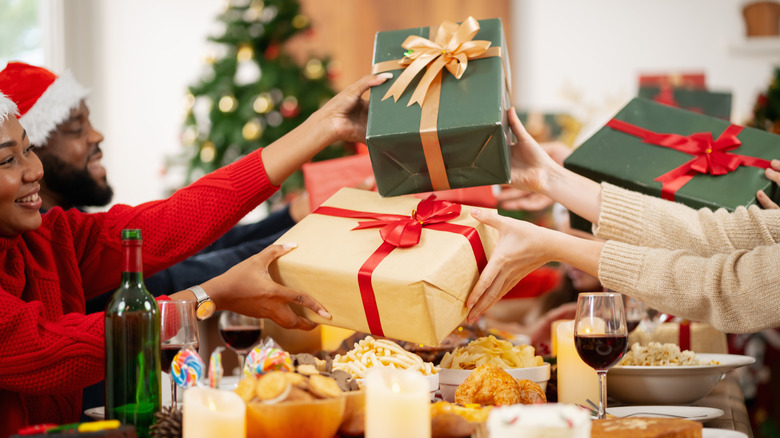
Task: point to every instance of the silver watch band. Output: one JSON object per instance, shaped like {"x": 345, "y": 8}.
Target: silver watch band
{"x": 200, "y": 294}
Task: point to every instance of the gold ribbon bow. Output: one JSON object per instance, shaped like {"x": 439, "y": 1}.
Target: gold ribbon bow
{"x": 452, "y": 48}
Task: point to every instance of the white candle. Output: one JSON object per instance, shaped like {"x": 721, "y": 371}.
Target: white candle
{"x": 577, "y": 382}
{"x": 397, "y": 404}
{"x": 211, "y": 412}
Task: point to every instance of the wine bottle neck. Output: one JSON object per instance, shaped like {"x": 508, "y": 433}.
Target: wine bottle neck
{"x": 132, "y": 262}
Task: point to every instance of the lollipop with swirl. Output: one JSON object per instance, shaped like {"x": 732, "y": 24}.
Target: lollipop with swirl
{"x": 266, "y": 357}
{"x": 186, "y": 367}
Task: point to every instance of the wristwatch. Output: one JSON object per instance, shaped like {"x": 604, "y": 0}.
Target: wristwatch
{"x": 205, "y": 307}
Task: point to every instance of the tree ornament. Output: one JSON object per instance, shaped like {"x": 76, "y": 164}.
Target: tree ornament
{"x": 289, "y": 107}
{"x": 207, "y": 152}
{"x": 263, "y": 103}
{"x": 252, "y": 130}
{"x": 314, "y": 69}
{"x": 300, "y": 21}
{"x": 245, "y": 52}
{"x": 227, "y": 103}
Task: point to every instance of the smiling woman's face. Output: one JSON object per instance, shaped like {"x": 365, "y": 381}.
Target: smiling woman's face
{"x": 20, "y": 173}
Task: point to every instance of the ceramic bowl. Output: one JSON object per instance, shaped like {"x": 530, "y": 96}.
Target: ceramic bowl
{"x": 670, "y": 385}
{"x": 450, "y": 379}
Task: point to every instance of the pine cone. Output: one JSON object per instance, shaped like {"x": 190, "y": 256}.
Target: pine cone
{"x": 167, "y": 424}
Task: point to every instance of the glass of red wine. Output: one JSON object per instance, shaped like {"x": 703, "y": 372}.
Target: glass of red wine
{"x": 600, "y": 335}
{"x": 179, "y": 329}
{"x": 636, "y": 311}
{"x": 240, "y": 333}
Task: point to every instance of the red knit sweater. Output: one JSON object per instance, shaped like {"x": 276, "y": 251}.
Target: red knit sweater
{"x": 49, "y": 349}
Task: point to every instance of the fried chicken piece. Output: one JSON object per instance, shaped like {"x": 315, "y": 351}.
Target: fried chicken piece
{"x": 489, "y": 384}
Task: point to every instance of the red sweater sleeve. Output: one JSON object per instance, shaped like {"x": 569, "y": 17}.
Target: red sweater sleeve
{"x": 177, "y": 227}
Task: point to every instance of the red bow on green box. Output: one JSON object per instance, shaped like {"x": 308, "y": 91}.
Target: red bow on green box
{"x": 711, "y": 156}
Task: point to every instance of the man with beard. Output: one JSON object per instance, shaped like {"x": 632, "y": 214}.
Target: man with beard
{"x": 56, "y": 118}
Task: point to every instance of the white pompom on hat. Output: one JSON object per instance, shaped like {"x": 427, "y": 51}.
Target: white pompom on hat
{"x": 44, "y": 99}
{"x": 7, "y": 108}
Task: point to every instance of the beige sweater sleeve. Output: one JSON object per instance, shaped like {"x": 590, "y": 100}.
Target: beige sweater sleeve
{"x": 719, "y": 267}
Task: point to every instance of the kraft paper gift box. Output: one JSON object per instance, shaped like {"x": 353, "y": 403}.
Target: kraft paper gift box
{"x": 626, "y": 152}
{"x": 698, "y": 337}
{"x": 457, "y": 135}
{"x": 711, "y": 103}
{"x": 324, "y": 178}
{"x": 415, "y": 293}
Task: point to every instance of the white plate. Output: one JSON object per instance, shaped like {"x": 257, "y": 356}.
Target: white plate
{"x": 97, "y": 413}
{"x": 696, "y": 413}
{"x": 708, "y": 432}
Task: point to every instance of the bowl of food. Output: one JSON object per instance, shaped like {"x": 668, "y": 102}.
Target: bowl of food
{"x": 369, "y": 353}
{"x": 291, "y": 405}
{"x": 661, "y": 374}
{"x": 519, "y": 361}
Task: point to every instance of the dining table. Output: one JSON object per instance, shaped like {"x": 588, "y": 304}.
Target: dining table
{"x": 728, "y": 397}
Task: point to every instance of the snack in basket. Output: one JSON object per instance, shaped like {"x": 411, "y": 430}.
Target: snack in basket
{"x": 491, "y": 350}
{"x": 640, "y": 427}
{"x": 452, "y": 420}
{"x": 489, "y": 384}
{"x": 369, "y": 353}
{"x": 657, "y": 354}
{"x": 546, "y": 420}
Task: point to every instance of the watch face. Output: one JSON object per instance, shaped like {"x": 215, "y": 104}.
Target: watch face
{"x": 205, "y": 309}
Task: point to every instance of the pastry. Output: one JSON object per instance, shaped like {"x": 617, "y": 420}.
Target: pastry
{"x": 489, "y": 384}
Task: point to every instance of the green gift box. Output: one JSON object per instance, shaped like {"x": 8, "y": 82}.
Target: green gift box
{"x": 466, "y": 143}
{"x": 711, "y": 103}
{"x": 625, "y": 159}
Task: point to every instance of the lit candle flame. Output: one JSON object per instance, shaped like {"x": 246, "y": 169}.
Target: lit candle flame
{"x": 212, "y": 405}
{"x": 396, "y": 387}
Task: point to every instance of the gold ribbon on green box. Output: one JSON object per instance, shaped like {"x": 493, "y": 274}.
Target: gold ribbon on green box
{"x": 452, "y": 48}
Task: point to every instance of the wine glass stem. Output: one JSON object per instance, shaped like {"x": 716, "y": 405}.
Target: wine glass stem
{"x": 602, "y": 394}
{"x": 241, "y": 360}
{"x": 174, "y": 404}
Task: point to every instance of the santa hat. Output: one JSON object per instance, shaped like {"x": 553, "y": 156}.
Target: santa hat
{"x": 43, "y": 98}
{"x": 7, "y": 108}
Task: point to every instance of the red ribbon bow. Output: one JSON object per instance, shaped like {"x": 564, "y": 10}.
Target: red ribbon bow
{"x": 710, "y": 156}
{"x": 399, "y": 231}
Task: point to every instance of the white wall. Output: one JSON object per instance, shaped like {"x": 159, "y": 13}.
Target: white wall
{"x": 140, "y": 55}
{"x": 584, "y": 57}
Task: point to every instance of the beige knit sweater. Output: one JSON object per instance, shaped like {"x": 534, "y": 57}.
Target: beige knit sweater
{"x": 718, "y": 267}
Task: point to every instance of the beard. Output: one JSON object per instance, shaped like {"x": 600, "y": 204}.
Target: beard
{"x": 75, "y": 185}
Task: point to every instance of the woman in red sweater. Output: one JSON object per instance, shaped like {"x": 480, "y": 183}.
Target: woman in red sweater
{"x": 51, "y": 264}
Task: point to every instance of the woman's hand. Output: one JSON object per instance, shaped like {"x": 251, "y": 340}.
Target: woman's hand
{"x": 348, "y": 111}
{"x": 773, "y": 174}
{"x": 247, "y": 288}
{"x": 530, "y": 163}
{"x": 518, "y": 252}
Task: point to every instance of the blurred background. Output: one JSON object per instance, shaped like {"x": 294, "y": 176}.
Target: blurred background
{"x": 567, "y": 56}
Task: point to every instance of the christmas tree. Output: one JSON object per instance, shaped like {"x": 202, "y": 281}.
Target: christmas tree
{"x": 253, "y": 92}
{"x": 766, "y": 111}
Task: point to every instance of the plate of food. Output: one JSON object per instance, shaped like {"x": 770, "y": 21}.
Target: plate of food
{"x": 661, "y": 374}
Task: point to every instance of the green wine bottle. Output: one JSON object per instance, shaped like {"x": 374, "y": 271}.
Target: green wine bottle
{"x": 132, "y": 320}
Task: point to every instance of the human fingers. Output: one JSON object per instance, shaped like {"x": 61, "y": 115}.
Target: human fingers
{"x": 285, "y": 317}
{"x": 516, "y": 125}
{"x": 492, "y": 294}
{"x": 488, "y": 217}
{"x": 366, "y": 82}
{"x": 766, "y": 201}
